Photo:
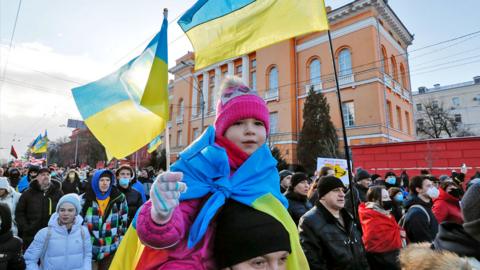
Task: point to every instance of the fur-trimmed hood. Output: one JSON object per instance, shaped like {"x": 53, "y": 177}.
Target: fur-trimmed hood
{"x": 422, "y": 257}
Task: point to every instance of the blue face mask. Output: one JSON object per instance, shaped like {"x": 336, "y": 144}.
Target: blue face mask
{"x": 123, "y": 181}
{"x": 391, "y": 180}
{"x": 398, "y": 197}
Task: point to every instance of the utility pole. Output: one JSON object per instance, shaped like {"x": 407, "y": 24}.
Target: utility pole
{"x": 202, "y": 103}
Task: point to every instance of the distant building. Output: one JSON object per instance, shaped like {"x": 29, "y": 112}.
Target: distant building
{"x": 461, "y": 99}
{"x": 370, "y": 47}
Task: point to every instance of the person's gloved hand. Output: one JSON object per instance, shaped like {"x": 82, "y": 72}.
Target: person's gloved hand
{"x": 165, "y": 194}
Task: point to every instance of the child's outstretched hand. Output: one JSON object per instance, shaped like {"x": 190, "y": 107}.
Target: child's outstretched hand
{"x": 164, "y": 194}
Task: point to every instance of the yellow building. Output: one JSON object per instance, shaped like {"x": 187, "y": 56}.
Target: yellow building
{"x": 370, "y": 45}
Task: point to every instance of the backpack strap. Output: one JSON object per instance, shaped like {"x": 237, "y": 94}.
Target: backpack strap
{"x": 45, "y": 244}
{"x": 423, "y": 210}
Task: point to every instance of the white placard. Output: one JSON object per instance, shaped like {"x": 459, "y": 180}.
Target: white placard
{"x": 338, "y": 165}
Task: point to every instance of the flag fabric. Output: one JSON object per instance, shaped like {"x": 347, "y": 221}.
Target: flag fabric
{"x": 206, "y": 171}
{"x": 129, "y": 108}
{"x": 13, "y": 153}
{"x": 39, "y": 137}
{"x": 41, "y": 146}
{"x": 223, "y": 29}
{"x": 154, "y": 144}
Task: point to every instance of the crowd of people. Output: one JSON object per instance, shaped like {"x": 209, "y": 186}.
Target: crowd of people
{"x": 224, "y": 205}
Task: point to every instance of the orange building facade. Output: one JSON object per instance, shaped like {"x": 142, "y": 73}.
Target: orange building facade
{"x": 370, "y": 46}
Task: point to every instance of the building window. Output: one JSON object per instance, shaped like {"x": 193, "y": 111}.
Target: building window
{"x": 238, "y": 70}
{"x": 435, "y": 104}
{"x": 273, "y": 122}
{"x": 272, "y": 91}
{"x": 403, "y": 76}
{"x": 195, "y": 133}
{"x": 407, "y": 120}
{"x": 419, "y": 106}
{"x": 477, "y": 99}
{"x": 224, "y": 74}
{"x": 385, "y": 60}
{"x": 199, "y": 97}
{"x": 456, "y": 101}
{"x": 211, "y": 93}
{"x": 315, "y": 73}
{"x": 253, "y": 80}
{"x": 179, "y": 138}
{"x": 345, "y": 62}
{"x": 348, "y": 113}
{"x": 180, "y": 111}
{"x": 389, "y": 114}
{"x": 399, "y": 118}
{"x": 420, "y": 124}
{"x": 254, "y": 63}
{"x": 458, "y": 118}
{"x": 394, "y": 68}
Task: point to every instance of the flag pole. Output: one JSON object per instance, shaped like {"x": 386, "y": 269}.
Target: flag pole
{"x": 345, "y": 139}
{"x": 167, "y": 129}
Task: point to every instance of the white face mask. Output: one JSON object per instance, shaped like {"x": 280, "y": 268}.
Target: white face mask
{"x": 433, "y": 192}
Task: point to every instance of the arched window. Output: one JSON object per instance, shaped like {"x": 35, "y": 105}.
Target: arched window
{"x": 180, "y": 108}
{"x": 394, "y": 68}
{"x": 345, "y": 63}
{"x": 403, "y": 76}
{"x": 385, "y": 60}
{"x": 314, "y": 72}
{"x": 272, "y": 83}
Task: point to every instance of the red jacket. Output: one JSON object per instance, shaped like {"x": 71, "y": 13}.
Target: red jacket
{"x": 447, "y": 208}
{"x": 381, "y": 233}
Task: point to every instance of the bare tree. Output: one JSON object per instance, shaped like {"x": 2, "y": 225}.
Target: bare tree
{"x": 434, "y": 121}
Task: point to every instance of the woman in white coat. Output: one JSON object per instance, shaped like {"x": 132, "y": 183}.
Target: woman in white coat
{"x": 65, "y": 243}
{"x": 9, "y": 196}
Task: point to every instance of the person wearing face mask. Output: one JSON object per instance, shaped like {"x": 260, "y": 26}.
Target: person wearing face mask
{"x": 126, "y": 172}
{"x": 397, "y": 198}
{"x": 391, "y": 180}
{"x": 26, "y": 179}
{"x": 381, "y": 233}
{"x": 134, "y": 198}
{"x": 71, "y": 183}
{"x": 14, "y": 177}
{"x": 420, "y": 222}
{"x": 285, "y": 178}
{"x": 447, "y": 206}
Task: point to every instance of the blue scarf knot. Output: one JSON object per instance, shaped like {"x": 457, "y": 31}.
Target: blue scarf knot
{"x": 206, "y": 170}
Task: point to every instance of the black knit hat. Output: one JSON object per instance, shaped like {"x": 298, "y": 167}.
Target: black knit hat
{"x": 6, "y": 217}
{"x": 327, "y": 184}
{"x": 361, "y": 174}
{"x": 244, "y": 233}
{"x": 106, "y": 173}
{"x": 470, "y": 209}
{"x": 296, "y": 179}
{"x": 284, "y": 173}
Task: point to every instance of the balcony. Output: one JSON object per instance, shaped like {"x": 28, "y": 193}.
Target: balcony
{"x": 388, "y": 80}
{"x": 316, "y": 87}
{"x": 346, "y": 79}
{"x": 179, "y": 119}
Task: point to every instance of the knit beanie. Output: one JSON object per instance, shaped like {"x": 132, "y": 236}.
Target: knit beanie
{"x": 361, "y": 174}
{"x": 284, "y": 173}
{"x": 327, "y": 184}
{"x": 471, "y": 211}
{"x": 72, "y": 198}
{"x": 4, "y": 184}
{"x": 296, "y": 179}
{"x": 238, "y": 102}
{"x": 125, "y": 167}
{"x": 244, "y": 233}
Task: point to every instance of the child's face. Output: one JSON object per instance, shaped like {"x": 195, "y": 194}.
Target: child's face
{"x": 275, "y": 260}
{"x": 248, "y": 134}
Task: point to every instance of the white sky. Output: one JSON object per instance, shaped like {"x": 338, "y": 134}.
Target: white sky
{"x": 61, "y": 44}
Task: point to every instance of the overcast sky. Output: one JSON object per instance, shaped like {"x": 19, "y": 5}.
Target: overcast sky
{"x": 62, "y": 44}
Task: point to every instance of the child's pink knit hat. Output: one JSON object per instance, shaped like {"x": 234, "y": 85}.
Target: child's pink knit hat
{"x": 237, "y": 102}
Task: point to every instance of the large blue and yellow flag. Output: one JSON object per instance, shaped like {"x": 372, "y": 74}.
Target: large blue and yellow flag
{"x": 222, "y": 29}
{"x": 40, "y": 145}
{"x": 154, "y": 144}
{"x": 129, "y": 108}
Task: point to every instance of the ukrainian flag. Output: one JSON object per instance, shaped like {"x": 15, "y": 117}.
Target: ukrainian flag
{"x": 32, "y": 145}
{"x": 40, "y": 145}
{"x": 222, "y": 29}
{"x": 129, "y": 108}
{"x": 154, "y": 144}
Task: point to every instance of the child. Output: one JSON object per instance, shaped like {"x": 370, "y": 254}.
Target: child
{"x": 230, "y": 161}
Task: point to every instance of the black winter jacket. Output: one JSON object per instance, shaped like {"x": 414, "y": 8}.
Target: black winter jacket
{"x": 134, "y": 201}
{"x": 417, "y": 227}
{"x": 34, "y": 209}
{"x": 11, "y": 252}
{"x": 298, "y": 205}
{"x": 327, "y": 245}
{"x": 360, "y": 195}
{"x": 452, "y": 237}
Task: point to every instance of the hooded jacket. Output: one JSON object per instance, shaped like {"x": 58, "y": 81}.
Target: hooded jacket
{"x": 34, "y": 209}
{"x": 327, "y": 244}
{"x": 417, "y": 227}
{"x": 298, "y": 205}
{"x": 11, "y": 199}
{"x": 134, "y": 201}
{"x": 64, "y": 250}
{"x": 447, "y": 208}
{"x": 107, "y": 229}
{"x": 452, "y": 237}
{"x": 11, "y": 246}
